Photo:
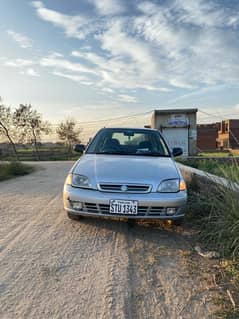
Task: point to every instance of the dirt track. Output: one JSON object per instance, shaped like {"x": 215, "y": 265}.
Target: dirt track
{"x": 52, "y": 267}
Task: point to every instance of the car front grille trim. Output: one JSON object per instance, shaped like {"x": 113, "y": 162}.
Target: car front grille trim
{"x": 142, "y": 210}
{"x": 124, "y": 188}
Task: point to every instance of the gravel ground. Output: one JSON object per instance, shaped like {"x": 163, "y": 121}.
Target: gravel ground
{"x": 52, "y": 267}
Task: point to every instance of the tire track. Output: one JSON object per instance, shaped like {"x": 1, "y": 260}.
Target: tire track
{"x": 160, "y": 281}
{"x": 23, "y": 232}
{"x": 52, "y": 267}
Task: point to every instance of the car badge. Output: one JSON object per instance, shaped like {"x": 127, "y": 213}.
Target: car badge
{"x": 124, "y": 188}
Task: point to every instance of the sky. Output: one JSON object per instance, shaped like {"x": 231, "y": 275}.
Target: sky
{"x": 105, "y": 59}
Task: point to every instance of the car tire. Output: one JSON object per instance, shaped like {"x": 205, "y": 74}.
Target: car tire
{"x": 178, "y": 222}
{"x": 73, "y": 216}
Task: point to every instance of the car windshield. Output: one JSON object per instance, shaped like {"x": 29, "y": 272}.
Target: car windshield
{"x": 138, "y": 142}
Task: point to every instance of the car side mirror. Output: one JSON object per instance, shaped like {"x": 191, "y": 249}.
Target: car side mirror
{"x": 177, "y": 151}
{"x": 79, "y": 148}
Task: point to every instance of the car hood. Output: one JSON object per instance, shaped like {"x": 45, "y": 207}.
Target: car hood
{"x": 126, "y": 169}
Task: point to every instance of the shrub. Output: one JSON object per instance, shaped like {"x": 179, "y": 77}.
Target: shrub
{"x": 215, "y": 208}
{"x": 14, "y": 169}
{"x": 227, "y": 168}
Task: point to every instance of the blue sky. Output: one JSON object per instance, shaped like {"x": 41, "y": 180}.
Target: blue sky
{"x": 94, "y": 59}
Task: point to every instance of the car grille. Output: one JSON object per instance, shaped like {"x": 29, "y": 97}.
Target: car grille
{"x": 124, "y": 188}
{"x": 105, "y": 209}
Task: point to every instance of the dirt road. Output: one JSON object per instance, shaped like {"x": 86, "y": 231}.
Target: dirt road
{"x": 52, "y": 267}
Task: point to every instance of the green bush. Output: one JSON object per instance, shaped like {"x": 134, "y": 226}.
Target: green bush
{"x": 12, "y": 169}
{"x": 215, "y": 209}
{"x": 223, "y": 169}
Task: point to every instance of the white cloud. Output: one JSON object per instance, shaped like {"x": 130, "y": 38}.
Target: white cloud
{"x": 108, "y": 7}
{"x": 200, "y": 12}
{"x": 107, "y": 90}
{"x": 131, "y": 64}
{"x": 18, "y": 63}
{"x": 32, "y": 72}
{"x": 127, "y": 98}
{"x": 233, "y": 20}
{"x": 76, "y": 26}
{"x": 73, "y": 77}
{"x": 56, "y": 55}
{"x": 117, "y": 73}
{"x": 63, "y": 64}
{"x": 194, "y": 46}
{"x": 198, "y": 92}
{"x": 175, "y": 44}
{"x": 24, "y": 65}
{"x": 119, "y": 43}
{"x": 21, "y": 39}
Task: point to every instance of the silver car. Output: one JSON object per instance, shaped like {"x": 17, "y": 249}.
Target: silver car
{"x": 126, "y": 172}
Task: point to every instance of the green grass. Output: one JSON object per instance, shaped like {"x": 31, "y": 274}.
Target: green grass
{"x": 45, "y": 153}
{"x": 228, "y": 168}
{"x": 216, "y": 154}
{"x": 13, "y": 169}
{"x": 214, "y": 211}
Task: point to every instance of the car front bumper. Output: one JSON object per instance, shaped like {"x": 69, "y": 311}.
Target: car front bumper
{"x": 150, "y": 205}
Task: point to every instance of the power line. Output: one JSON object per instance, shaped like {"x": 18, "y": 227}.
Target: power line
{"x": 111, "y": 119}
{"x": 222, "y": 114}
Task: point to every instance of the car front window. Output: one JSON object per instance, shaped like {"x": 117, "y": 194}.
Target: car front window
{"x": 128, "y": 142}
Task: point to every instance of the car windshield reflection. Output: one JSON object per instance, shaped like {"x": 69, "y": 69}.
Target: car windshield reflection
{"x": 136, "y": 142}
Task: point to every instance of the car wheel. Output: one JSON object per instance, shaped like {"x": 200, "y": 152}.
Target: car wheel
{"x": 73, "y": 216}
{"x": 177, "y": 222}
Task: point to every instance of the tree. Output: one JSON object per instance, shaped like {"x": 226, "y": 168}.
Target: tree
{"x": 7, "y": 129}
{"x": 68, "y": 133}
{"x": 30, "y": 122}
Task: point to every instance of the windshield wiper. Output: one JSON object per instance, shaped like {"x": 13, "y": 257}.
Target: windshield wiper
{"x": 156, "y": 154}
{"x": 152, "y": 154}
{"x": 111, "y": 153}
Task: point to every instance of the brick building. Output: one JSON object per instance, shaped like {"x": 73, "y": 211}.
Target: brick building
{"x": 228, "y": 135}
{"x": 207, "y": 135}
{"x": 220, "y": 135}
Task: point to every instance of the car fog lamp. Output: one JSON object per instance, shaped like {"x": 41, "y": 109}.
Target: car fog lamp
{"x": 171, "y": 211}
{"x": 77, "y": 205}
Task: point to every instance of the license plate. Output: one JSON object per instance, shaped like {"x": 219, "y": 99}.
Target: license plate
{"x": 125, "y": 207}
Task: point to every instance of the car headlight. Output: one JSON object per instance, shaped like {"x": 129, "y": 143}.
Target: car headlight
{"x": 172, "y": 186}
{"x": 77, "y": 180}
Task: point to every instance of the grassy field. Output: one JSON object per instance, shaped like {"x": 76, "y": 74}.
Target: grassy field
{"x": 226, "y": 153}
{"x": 44, "y": 154}
{"x": 215, "y": 154}
{"x": 214, "y": 212}
{"x": 229, "y": 168}
{"x": 13, "y": 169}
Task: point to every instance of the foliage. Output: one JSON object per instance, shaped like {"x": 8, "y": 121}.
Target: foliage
{"x": 12, "y": 169}
{"x": 31, "y": 125}
{"x": 7, "y": 129}
{"x": 215, "y": 209}
{"x": 225, "y": 153}
{"x": 68, "y": 133}
{"x": 228, "y": 168}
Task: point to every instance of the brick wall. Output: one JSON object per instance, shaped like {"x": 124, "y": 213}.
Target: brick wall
{"x": 207, "y": 136}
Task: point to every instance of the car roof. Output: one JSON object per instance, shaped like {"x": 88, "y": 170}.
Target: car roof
{"x": 129, "y": 128}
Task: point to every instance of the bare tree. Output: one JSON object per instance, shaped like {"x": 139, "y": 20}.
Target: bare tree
{"x": 31, "y": 124}
{"x": 7, "y": 129}
{"x": 68, "y": 132}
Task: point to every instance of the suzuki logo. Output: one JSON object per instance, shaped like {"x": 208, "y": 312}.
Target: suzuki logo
{"x": 124, "y": 188}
